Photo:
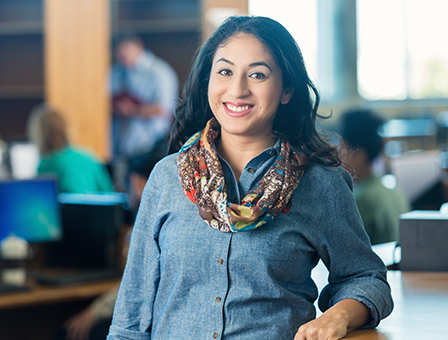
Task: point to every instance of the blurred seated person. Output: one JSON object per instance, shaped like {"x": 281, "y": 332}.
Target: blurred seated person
{"x": 77, "y": 170}
{"x": 378, "y": 205}
{"x": 93, "y": 322}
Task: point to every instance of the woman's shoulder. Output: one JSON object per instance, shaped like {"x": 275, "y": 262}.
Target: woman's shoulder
{"x": 60, "y": 156}
{"x": 322, "y": 182}
{"x": 78, "y": 153}
{"x": 166, "y": 167}
{"x": 164, "y": 179}
{"x": 320, "y": 177}
{"x": 168, "y": 162}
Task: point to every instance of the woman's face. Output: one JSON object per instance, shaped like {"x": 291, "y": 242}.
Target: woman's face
{"x": 245, "y": 87}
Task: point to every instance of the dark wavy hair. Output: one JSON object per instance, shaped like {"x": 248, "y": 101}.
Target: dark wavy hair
{"x": 294, "y": 122}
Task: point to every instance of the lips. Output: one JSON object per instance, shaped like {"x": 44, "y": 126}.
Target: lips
{"x": 237, "y": 109}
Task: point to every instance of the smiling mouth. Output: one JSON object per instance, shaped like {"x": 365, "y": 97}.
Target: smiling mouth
{"x": 238, "y": 109}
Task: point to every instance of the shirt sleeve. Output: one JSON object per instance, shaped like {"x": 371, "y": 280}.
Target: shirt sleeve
{"x": 355, "y": 271}
{"x": 133, "y": 313}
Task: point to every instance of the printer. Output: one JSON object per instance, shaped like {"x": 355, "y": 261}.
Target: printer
{"x": 424, "y": 240}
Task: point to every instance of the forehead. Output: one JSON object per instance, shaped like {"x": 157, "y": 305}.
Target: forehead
{"x": 243, "y": 45}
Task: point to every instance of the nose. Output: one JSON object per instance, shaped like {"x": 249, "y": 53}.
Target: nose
{"x": 238, "y": 87}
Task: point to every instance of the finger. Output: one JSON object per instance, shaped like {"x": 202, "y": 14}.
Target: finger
{"x": 300, "y": 335}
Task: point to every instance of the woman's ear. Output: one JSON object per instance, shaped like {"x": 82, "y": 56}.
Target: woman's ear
{"x": 287, "y": 95}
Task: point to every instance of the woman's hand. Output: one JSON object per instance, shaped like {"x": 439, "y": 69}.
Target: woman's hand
{"x": 325, "y": 327}
{"x": 334, "y": 323}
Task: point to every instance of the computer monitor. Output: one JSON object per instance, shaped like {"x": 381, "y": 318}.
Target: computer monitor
{"x": 29, "y": 209}
{"x": 416, "y": 172}
{"x": 91, "y": 224}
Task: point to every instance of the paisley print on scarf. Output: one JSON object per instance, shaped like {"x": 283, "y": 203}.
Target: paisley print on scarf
{"x": 202, "y": 181}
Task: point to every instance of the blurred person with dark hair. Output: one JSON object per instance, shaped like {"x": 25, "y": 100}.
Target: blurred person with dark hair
{"x": 378, "y": 205}
{"x": 77, "y": 170}
{"x": 144, "y": 91}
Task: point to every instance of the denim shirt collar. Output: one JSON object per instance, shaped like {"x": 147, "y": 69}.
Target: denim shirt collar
{"x": 251, "y": 175}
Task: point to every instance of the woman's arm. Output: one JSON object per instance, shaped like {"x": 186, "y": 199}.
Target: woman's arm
{"x": 357, "y": 293}
{"x": 133, "y": 315}
{"x": 335, "y": 322}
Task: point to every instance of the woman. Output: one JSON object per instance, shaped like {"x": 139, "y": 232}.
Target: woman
{"x": 273, "y": 200}
{"x": 77, "y": 170}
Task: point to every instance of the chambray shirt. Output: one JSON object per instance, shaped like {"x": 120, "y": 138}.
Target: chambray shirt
{"x": 185, "y": 280}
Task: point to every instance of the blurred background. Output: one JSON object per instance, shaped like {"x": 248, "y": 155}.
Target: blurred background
{"x": 381, "y": 55}
{"x": 388, "y": 57}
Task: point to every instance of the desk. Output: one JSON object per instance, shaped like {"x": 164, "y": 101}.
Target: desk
{"x": 421, "y": 307}
{"x": 421, "y": 303}
{"x": 37, "y": 313}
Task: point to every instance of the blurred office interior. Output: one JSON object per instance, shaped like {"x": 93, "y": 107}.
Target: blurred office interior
{"x": 388, "y": 56}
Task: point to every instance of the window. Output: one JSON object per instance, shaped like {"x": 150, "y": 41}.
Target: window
{"x": 402, "y": 49}
{"x": 400, "y": 45}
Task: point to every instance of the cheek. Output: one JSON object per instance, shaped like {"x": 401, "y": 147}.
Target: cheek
{"x": 213, "y": 92}
{"x": 210, "y": 93}
{"x": 210, "y": 99}
{"x": 272, "y": 95}
{"x": 271, "y": 103}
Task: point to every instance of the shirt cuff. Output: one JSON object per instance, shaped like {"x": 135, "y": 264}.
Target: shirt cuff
{"x": 375, "y": 295}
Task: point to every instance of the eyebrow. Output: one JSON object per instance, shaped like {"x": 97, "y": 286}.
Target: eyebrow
{"x": 257, "y": 63}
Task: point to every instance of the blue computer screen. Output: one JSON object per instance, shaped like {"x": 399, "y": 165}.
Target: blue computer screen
{"x": 30, "y": 209}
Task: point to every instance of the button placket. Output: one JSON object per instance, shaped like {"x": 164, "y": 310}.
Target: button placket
{"x": 220, "y": 258}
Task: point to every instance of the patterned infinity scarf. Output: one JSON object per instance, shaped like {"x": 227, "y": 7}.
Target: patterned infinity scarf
{"x": 202, "y": 180}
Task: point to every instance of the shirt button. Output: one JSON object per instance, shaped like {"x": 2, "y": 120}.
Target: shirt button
{"x": 271, "y": 153}
{"x": 251, "y": 170}
{"x": 220, "y": 261}
{"x": 215, "y": 335}
{"x": 218, "y": 299}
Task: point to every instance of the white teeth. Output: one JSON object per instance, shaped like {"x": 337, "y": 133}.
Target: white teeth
{"x": 237, "y": 108}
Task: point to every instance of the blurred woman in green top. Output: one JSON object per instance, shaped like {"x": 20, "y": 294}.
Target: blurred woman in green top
{"x": 78, "y": 170}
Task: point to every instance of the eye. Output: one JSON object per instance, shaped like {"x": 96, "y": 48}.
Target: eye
{"x": 257, "y": 75}
{"x": 225, "y": 72}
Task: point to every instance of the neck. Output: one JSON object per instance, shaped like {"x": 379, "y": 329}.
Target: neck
{"x": 239, "y": 151}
